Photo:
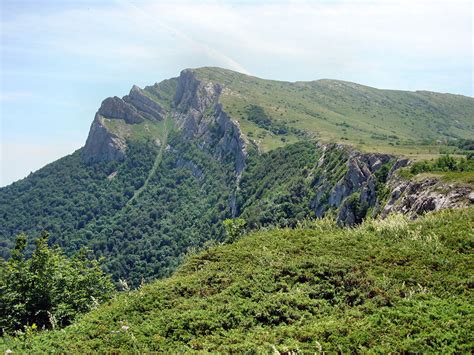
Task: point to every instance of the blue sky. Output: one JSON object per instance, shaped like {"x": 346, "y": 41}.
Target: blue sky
{"x": 60, "y": 59}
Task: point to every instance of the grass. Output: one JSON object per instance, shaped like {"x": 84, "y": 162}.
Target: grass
{"x": 400, "y": 122}
{"x": 142, "y": 132}
{"x": 389, "y": 285}
{"x": 466, "y": 177}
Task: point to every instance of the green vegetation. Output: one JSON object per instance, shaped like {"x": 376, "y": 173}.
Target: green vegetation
{"x": 145, "y": 218}
{"x": 444, "y": 163}
{"x": 389, "y": 121}
{"x": 88, "y": 206}
{"x": 275, "y": 189}
{"x": 234, "y": 228}
{"x": 48, "y": 290}
{"x": 386, "y": 286}
{"x": 445, "y": 168}
{"x": 67, "y": 195}
{"x": 142, "y": 132}
{"x": 466, "y": 145}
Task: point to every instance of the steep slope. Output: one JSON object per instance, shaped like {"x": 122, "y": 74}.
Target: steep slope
{"x": 386, "y": 286}
{"x": 163, "y": 166}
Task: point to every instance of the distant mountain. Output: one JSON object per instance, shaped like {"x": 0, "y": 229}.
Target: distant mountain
{"x": 273, "y": 114}
{"x": 163, "y": 166}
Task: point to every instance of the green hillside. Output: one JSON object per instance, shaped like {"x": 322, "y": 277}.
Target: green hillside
{"x": 143, "y": 223}
{"x": 173, "y": 189}
{"x": 404, "y": 122}
{"x": 142, "y": 233}
{"x": 387, "y": 286}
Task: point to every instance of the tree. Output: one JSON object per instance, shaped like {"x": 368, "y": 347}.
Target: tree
{"x": 234, "y": 228}
{"x": 48, "y": 289}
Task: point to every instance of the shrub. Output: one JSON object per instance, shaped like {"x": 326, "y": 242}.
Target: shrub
{"x": 48, "y": 290}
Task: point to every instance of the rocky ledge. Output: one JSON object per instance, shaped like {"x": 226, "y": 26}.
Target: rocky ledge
{"x": 416, "y": 197}
{"x": 134, "y": 108}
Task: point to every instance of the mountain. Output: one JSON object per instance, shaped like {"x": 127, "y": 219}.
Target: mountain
{"x": 163, "y": 166}
{"x": 390, "y": 285}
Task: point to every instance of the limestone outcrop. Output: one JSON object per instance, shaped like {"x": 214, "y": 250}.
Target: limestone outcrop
{"x": 102, "y": 144}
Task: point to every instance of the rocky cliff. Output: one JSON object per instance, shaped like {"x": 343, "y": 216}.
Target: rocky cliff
{"x": 196, "y": 113}
{"x": 349, "y": 183}
{"x": 420, "y": 195}
{"x": 368, "y": 184}
{"x": 199, "y": 115}
{"x": 102, "y": 144}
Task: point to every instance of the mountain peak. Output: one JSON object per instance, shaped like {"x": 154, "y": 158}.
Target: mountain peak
{"x": 270, "y": 114}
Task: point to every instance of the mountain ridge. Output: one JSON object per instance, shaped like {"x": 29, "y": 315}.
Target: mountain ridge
{"x": 322, "y": 120}
{"x": 161, "y": 171}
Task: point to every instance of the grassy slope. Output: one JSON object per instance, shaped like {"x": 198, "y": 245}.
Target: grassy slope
{"x": 372, "y": 119}
{"x": 386, "y": 285}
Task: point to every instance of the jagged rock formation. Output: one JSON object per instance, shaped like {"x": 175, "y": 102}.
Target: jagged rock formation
{"x": 352, "y": 187}
{"x": 196, "y": 112}
{"x": 145, "y": 106}
{"x": 415, "y": 197}
{"x": 199, "y": 115}
{"x": 347, "y": 182}
{"x": 102, "y": 144}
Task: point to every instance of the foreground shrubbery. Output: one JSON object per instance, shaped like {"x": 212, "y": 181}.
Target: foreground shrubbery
{"x": 47, "y": 290}
{"x": 389, "y": 285}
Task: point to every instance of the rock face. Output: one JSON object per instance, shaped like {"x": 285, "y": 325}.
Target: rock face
{"x": 114, "y": 107}
{"x": 354, "y": 192}
{"x": 102, "y": 145}
{"x": 199, "y": 115}
{"x": 145, "y": 106}
{"x": 134, "y": 108}
{"x": 196, "y": 112}
{"x": 351, "y": 190}
{"x": 428, "y": 194}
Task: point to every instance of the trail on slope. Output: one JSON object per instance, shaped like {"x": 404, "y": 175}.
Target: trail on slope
{"x": 156, "y": 164}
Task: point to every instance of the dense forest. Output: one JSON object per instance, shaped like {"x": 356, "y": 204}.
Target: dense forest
{"x": 182, "y": 208}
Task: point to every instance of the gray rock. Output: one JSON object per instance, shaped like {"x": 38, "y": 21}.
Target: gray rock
{"x": 145, "y": 106}
{"x": 102, "y": 145}
{"x": 359, "y": 178}
{"x": 200, "y": 115}
{"x": 419, "y": 197}
{"x": 115, "y": 107}
{"x": 471, "y": 197}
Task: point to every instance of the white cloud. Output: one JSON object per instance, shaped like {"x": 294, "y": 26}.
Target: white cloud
{"x": 332, "y": 34}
